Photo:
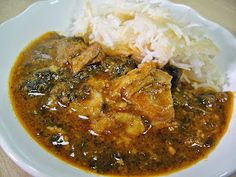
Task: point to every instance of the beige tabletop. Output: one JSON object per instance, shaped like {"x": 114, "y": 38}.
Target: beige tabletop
{"x": 220, "y": 11}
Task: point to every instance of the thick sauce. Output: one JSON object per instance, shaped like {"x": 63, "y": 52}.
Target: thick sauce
{"x": 103, "y": 114}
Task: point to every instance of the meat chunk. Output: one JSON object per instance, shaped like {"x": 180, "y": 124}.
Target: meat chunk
{"x": 148, "y": 90}
{"x": 92, "y": 53}
{"x": 133, "y": 123}
{"x": 89, "y": 107}
{"x": 68, "y": 48}
{"x": 98, "y": 83}
{"x": 133, "y": 81}
{"x": 75, "y": 53}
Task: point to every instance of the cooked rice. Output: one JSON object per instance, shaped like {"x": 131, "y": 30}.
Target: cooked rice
{"x": 148, "y": 31}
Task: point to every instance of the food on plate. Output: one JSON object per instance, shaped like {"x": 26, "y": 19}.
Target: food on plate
{"x": 128, "y": 91}
{"x": 149, "y": 32}
{"x": 112, "y": 114}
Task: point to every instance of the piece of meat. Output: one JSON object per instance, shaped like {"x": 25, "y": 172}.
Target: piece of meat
{"x": 90, "y": 107}
{"x": 68, "y": 48}
{"x": 148, "y": 90}
{"x": 124, "y": 127}
{"x": 98, "y": 83}
{"x": 93, "y": 53}
{"x": 132, "y": 82}
{"x": 133, "y": 123}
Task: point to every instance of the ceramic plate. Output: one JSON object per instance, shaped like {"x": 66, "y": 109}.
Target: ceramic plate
{"x": 55, "y": 15}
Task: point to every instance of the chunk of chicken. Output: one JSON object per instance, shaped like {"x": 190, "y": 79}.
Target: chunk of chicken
{"x": 92, "y": 53}
{"x": 148, "y": 90}
{"x": 133, "y": 123}
{"x": 89, "y": 107}
{"x": 98, "y": 83}
{"x": 125, "y": 86}
{"x": 102, "y": 124}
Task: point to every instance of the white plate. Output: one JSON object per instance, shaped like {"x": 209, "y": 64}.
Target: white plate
{"x": 45, "y": 16}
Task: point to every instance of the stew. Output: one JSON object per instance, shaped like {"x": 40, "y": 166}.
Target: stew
{"x": 110, "y": 115}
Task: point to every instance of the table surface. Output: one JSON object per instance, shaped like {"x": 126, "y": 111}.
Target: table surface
{"x": 220, "y": 11}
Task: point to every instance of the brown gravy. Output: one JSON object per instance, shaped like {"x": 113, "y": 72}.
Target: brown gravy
{"x": 68, "y": 109}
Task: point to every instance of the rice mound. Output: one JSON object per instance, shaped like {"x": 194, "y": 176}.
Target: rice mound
{"x": 149, "y": 32}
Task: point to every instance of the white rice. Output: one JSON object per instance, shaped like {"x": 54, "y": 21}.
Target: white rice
{"x": 149, "y": 32}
